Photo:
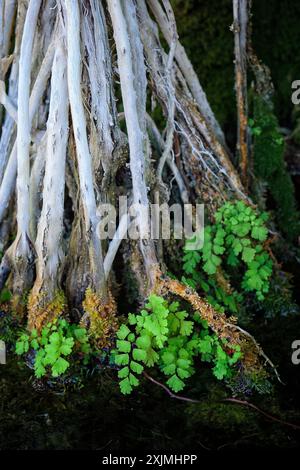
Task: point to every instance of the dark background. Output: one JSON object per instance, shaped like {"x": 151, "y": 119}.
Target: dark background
{"x": 203, "y": 27}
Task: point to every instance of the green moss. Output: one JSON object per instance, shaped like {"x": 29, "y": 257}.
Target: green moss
{"x": 269, "y": 165}
{"x": 42, "y": 310}
{"x": 101, "y": 317}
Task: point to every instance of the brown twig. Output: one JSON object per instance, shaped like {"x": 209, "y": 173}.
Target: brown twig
{"x": 256, "y": 408}
{"x": 260, "y": 350}
{"x": 225, "y": 400}
{"x": 243, "y": 438}
{"x": 169, "y": 392}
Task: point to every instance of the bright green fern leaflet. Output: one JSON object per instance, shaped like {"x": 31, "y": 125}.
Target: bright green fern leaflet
{"x": 165, "y": 336}
{"x": 235, "y": 245}
{"x": 52, "y": 348}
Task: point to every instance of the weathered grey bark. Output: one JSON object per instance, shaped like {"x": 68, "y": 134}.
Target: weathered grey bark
{"x": 9, "y": 178}
{"x": 207, "y": 159}
{"x": 23, "y": 133}
{"x": 187, "y": 69}
{"x": 7, "y": 14}
{"x": 22, "y": 248}
{"x": 103, "y": 108}
{"x": 158, "y": 143}
{"x": 240, "y": 23}
{"x": 82, "y": 148}
{"x": 8, "y": 131}
{"x": 136, "y": 126}
{"x": 36, "y": 184}
{"x": 50, "y": 227}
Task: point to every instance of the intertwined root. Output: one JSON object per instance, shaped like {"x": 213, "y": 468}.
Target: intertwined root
{"x": 69, "y": 142}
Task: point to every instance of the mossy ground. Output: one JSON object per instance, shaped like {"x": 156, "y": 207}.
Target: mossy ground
{"x": 97, "y": 415}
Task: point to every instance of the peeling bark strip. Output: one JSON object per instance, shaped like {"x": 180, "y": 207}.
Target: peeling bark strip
{"x": 46, "y": 300}
{"x": 240, "y": 21}
{"x": 83, "y": 153}
{"x": 103, "y": 110}
{"x": 23, "y": 134}
{"x": 50, "y": 227}
{"x": 136, "y": 123}
{"x": 36, "y": 180}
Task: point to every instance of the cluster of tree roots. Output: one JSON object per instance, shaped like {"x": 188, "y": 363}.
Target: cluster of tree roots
{"x": 82, "y": 86}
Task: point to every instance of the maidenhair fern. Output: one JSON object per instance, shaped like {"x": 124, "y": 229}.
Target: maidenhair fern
{"x": 234, "y": 244}
{"x": 51, "y": 348}
{"x": 165, "y": 336}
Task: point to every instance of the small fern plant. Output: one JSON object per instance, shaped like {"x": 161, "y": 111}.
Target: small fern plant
{"x": 58, "y": 341}
{"x": 164, "y": 336}
{"x": 233, "y": 244}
